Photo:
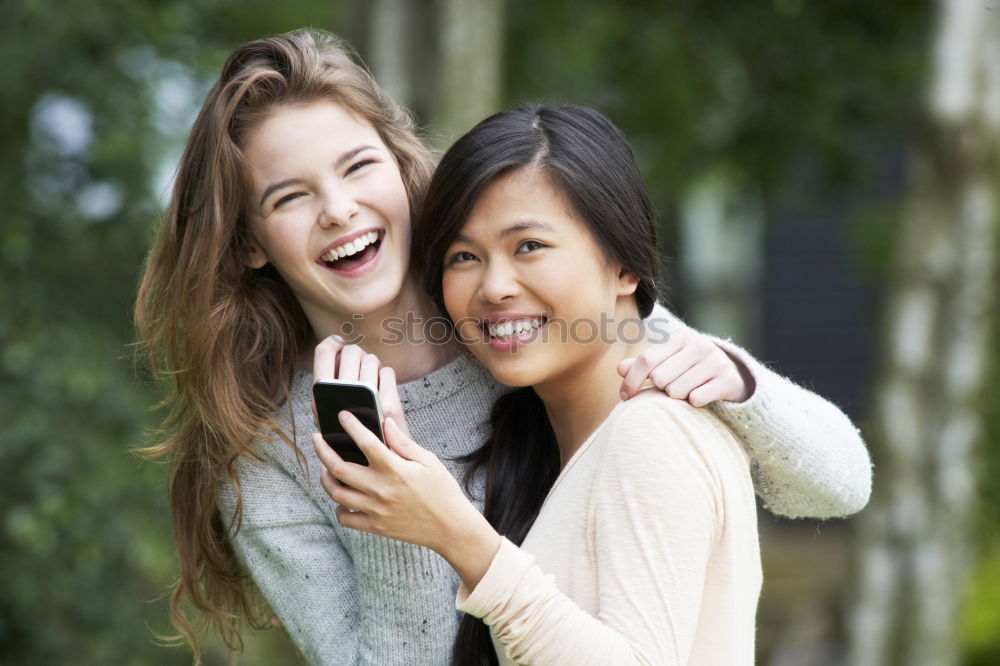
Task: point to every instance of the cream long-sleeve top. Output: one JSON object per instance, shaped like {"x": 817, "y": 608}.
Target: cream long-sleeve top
{"x": 644, "y": 552}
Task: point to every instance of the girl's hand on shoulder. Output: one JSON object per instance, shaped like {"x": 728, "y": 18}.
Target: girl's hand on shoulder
{"x": 687, "y": 366}
{"x": 405, "y": 492}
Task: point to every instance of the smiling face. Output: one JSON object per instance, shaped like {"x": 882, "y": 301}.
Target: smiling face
{"x": 528, "y": 288}
{"x": 328, "y": 210}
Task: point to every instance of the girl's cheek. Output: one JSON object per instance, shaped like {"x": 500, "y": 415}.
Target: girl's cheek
{"x": 552, "y": 278}
{"x": 460, "y": 288}
{"x": 453, "y": 289}
{"x": 395, "y": 192}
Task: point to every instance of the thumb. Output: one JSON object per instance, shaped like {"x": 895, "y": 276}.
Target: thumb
{"x": 624, "y": 365}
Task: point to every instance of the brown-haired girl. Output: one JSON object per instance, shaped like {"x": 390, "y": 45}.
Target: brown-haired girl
{"x": 290, "y": 222}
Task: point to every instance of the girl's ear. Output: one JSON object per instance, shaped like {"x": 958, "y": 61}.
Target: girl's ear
{"x": 627, "y": 282}
{"x": 256, "y": 257}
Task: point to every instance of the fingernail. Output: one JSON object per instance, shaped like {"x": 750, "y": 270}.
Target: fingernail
{"x": 623, "y": 395}
{"x": 389, "y": 422}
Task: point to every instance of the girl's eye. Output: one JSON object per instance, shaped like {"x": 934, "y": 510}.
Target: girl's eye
{"x": 287, "y": 198}
{"x": 529, "y": 246}
{"x": 460, "y": 258}
{"x": 360, "y": 164}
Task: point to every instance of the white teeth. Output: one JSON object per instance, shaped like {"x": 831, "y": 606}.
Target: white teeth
{"x": 351, "y": 247}
{"x": 509, "y": 328}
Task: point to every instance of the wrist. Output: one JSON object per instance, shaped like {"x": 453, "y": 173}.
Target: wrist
{"x": 470, "y": 547}
{"x": 749, "y": 383}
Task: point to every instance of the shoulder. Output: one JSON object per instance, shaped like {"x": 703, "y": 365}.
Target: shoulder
{"x": 281, "y": 457}
{"x": 672, "y": 464}
{"x": 652, "y": 414}
{"x": 294, "y": 418}
{"x": 659, "y": 434}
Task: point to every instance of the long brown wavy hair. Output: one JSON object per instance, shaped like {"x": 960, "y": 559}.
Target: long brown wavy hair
{"x": 226, "y": 338}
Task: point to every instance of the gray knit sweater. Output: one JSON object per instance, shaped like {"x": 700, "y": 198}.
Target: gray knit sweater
{"x": 349, "y": 597}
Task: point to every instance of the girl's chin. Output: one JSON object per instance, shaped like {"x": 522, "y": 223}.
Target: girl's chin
{"x": 374, "y": 297}
{"x": 512, "y": 371}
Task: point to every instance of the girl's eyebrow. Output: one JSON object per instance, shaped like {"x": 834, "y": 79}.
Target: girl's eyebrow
{"x": 526, "y": 225}
{"x": 346, "y": 157}
{"x": 350, "y": 154}
{"x": 277, "y": 186}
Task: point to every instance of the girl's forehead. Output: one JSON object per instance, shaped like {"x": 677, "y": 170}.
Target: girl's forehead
{"x": 307, "y": 134}
{"x": 526, "y": 195}
{"x": 333, "y": 119}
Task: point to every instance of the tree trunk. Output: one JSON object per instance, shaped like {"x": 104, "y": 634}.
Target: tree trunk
{"x": 471, "y": 49}
{"x": 440, "y": 58}
{"x": 721, "y": 256}
{"x": 401, "y": 44}
{"x": 914, "y": 547}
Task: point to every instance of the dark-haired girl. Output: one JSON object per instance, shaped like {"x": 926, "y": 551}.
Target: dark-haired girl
{"x": 614, "y": 532}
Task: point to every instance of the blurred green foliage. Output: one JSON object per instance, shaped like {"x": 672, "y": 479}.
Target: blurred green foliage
{"x": 760, "y": 86}
{"x": 981, "y": 622}
{"x": 98, "y": 96}
{"x": 982, "y": 616}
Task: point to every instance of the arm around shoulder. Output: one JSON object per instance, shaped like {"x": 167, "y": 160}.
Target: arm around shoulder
{"x": 809, "y": 460}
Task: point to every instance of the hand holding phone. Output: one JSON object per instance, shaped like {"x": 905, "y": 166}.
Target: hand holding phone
{"x": 349, "y": 366}
{"x": 359, "y": 398}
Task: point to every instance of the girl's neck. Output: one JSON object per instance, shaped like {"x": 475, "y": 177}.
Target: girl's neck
{"x": 578, "y": 405}
{"x": 397, "y": 333}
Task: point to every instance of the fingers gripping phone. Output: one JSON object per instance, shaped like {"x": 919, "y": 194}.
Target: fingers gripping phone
{"x": 360, "y": 399}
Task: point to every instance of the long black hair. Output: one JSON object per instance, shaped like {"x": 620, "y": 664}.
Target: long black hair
{"x": 589, "y": 160}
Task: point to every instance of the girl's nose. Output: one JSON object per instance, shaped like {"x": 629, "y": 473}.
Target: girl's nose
{"x": 339, "y": 208}
{"x": 499, "y": 283}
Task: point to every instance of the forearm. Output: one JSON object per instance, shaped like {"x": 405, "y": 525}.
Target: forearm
{"x": 313, "y": 592}
{"x": 809, "y": 459}
{"x": 537, "y": 624}
{"x": 294, "y": 557}
{"x": 469, "y": 546}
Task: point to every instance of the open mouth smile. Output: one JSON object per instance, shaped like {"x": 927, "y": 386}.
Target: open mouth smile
{"x": 353, "y": 254}
{"x": 512, "y": 333}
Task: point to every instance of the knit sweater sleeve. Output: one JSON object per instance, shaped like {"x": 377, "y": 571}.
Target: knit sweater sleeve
{"x": 807, "y": 458}
{"x": 294, "y": 555}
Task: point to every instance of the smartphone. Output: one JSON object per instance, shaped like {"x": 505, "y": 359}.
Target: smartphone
{"x": 358, "y": 398}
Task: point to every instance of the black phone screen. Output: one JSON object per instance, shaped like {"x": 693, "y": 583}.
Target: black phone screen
{"x": 360, "y": 400}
